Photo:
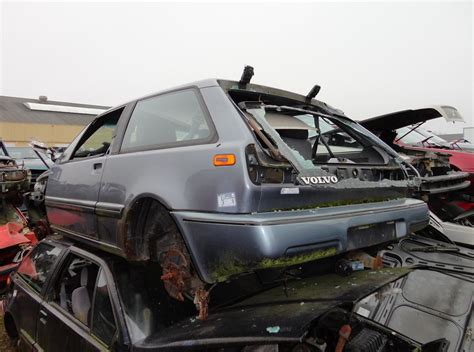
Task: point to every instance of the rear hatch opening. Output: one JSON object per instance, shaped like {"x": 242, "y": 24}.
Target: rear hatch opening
{"x": 305, "y": 152}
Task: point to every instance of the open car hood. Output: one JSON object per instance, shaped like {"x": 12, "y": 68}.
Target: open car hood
{"x": 399, "y": 119}
{"x": 272, "y": 316}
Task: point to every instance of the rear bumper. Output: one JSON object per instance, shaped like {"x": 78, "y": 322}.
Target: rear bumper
{"x": 223, "y": 245}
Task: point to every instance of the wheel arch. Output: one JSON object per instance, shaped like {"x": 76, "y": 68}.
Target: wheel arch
{"x": 132, "y": 222}
{"x": 152, "y": 233}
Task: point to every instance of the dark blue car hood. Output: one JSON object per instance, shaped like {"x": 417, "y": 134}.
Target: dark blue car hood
{"x": 271, "y": 316}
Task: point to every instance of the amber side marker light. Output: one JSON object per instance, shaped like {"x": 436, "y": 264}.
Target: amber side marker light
{"x": 224, "y": 159}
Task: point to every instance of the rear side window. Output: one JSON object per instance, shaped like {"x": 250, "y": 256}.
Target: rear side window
{"x": 168, "y": 120}
{"x": 74, "y": 290}
{"x": 36, "y": 267}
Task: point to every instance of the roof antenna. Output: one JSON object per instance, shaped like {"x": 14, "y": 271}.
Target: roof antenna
{"x": 312, "y": 93}
{"x": 246, "y": 76}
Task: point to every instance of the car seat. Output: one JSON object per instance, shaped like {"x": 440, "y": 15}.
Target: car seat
{"x": 297, "y": 139}
{"x": 81, "y": 303}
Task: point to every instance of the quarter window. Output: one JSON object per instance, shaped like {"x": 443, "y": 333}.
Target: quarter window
{"x": 36, "y": 267}
{"x": 167, "y": 120}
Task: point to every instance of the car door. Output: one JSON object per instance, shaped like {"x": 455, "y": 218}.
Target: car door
{"x": 29, "y": 286}
{"x": 73, "y": 184}
{"x": 77, "y": 313}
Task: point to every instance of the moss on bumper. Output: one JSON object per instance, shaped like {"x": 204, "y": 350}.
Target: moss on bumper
{"x": 232, "y": 266}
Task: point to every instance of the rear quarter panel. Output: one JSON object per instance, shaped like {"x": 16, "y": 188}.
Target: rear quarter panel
{"x": 184, "y": 178}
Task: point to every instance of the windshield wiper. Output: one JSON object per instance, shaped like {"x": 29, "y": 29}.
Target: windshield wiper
{"x": 425, "y": 140}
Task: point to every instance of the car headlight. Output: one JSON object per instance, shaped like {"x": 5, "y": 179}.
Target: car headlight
{"x": 14, "y": 175}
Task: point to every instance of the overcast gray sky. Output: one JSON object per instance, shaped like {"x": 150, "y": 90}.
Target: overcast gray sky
{"x": 370, "y": 58}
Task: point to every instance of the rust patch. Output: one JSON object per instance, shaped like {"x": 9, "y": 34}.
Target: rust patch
{"x": 201, "y": 300}
{"x": 175, "y": 273}
{"x": 179, "y": 280}
{"x": 374, "y": 263}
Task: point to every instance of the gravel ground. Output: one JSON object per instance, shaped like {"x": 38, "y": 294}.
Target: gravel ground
{"x": 5, "y": 344}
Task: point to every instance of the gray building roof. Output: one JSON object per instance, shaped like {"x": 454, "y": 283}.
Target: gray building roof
{"x": 25, "y": 110}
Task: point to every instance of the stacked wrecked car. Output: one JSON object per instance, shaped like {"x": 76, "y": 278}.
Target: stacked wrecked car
{"x": 445, "y": 171}
{"x": 16, "y": 237}
{"x": 230, "y": 216}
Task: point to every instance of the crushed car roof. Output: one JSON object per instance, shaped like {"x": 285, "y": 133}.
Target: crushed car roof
{"x": 399, "y": 119}
{"x": 290, "y": 311}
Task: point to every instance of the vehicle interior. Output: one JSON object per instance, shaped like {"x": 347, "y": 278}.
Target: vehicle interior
{"x": 148, "y": 308}
{"x": 98, "y": 137}
{"x": 74, "y": 291}
{"x": 320, "y": 139}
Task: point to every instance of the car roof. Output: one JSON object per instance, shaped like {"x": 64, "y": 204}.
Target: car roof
{"x": 204, "y": 83}
{"x": 229, "y": 85}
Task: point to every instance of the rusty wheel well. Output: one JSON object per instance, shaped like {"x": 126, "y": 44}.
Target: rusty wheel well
{"x": 10, "y": 326}
{"x": 137, "y": 236}
{"x": 152, "y": 234}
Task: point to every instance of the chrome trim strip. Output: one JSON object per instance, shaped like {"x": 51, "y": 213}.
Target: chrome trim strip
{"x": 109, "y": 209}
{"x": 86, "y": 239}
{"x": 87, "y": 206}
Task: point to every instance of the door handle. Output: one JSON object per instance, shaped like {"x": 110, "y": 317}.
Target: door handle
{"x": 97, "y": 166}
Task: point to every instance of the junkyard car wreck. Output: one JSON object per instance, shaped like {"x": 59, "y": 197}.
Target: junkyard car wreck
{"x": 223, "y": 184}
{"x": 285, "y": 224}
{"x": 64, "y": 297}
{"x": 16, "y": 237}
{"x": 445, "y": 171}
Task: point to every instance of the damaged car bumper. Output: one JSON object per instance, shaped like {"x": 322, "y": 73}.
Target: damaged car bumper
{"x": 444, "y": 183}
{"x": 224, "y": 245}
